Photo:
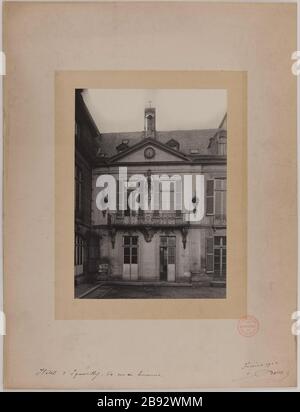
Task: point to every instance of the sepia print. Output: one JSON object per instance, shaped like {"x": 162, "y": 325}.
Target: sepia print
{"x": 150, "y": 194}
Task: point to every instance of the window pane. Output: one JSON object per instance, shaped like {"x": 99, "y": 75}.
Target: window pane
{"x": 134, "y": 259}
{"x": 163, "y": 240}
{"x": 218, "y": 184}
{"x": 126, "y": 259}
{"x": 171, "y": 255}
{"x": 171, "y": 260}
{"x": 134, "y": 251}
{"x": 172, "y": 241}
{"x": 218, "y": 206}
{"x": 126, "y": 240}
{"x": 217, "y": 252}
{"x": 134, "y": 240}
{"x": 126, "y": 251}
{"x": 217, "y": 240}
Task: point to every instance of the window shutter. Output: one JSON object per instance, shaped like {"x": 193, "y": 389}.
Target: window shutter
{"x": 209, "y": 254}
{"x": 210, "y": 196}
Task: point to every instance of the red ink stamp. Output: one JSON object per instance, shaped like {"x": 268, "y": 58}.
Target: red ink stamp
{"x": 248, "y": 326}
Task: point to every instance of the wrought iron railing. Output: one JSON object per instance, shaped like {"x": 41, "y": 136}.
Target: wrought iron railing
{"x": 155, "y": 218}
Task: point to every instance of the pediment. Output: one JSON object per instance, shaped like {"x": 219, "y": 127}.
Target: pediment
{"x": 149, "y": 151}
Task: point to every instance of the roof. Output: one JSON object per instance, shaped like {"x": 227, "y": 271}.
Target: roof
{"x": 153, "y": 142}
{"x": 187, "y": 139}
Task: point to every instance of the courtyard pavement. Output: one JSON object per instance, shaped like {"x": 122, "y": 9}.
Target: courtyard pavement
{"x": 156, "y": 292}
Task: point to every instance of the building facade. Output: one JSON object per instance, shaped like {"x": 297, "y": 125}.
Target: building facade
{"x": 159, "y": 245}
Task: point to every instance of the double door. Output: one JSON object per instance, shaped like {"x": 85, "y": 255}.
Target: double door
{"x": 130, "y": 257}
{"x": 167, "y": 250}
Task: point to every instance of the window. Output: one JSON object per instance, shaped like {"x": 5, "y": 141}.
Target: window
{"x": 170, "y": 195}
{"x": 128, "y": 211}
{"x": 173, "y": 144}
{"x": 209, "y": 254}
{"x": 210, "y": 197}
{"x": 222, "y": 148}
{"x": 216, "y": 197}
{"x": 78, "y": 189}
{"x": 216, "y": 255}
{"x": 169, "y": 243}
{"x": 79, "y": 250}
{"x": 220, "y": 197}
{"x": 220, "y": 255}
{"x": 130, "y": 247}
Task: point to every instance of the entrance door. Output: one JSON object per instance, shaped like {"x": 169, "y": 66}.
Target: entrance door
{"x": 130, "y": 255}
{"x": 167, "y": 258}
{"x": 220, "y": 256}
{"x": 163, "y": 275}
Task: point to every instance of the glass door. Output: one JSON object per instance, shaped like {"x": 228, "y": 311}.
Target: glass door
{"x": 130, "y": 257}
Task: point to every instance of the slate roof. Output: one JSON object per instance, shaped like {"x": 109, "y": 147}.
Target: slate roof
{"x": 187, "y": 139}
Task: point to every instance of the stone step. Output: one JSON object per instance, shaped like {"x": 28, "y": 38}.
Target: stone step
{"x": 144, "y": 283}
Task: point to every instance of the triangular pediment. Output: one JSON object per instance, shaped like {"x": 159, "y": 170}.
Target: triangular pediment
{"x": 149, "y": 150}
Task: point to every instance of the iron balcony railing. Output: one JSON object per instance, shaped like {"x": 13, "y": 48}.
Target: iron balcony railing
{"x": 153, "y": 218}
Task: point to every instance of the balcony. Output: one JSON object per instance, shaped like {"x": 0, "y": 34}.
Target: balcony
{"x": 148, "y": 223}
{"x": 153, "y": 218}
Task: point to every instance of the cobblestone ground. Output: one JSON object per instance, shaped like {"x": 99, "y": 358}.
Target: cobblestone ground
{"x": 156, "y": 292}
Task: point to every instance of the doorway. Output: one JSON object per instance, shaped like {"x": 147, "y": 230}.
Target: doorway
{"x": 167, "y": 251}
{"x": 130, "y": 257}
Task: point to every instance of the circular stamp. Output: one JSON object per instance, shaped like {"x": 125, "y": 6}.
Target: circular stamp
{"x": 248, "y": 326}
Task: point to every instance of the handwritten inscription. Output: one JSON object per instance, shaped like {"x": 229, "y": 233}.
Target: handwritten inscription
{"x": 92, "y": 374}
{"x": 255, "y": 369}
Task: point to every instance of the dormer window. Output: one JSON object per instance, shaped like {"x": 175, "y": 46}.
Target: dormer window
{"x": 173, "y": 144}
{"x": 123, "y": 146}
{"x": 222, "y": 148}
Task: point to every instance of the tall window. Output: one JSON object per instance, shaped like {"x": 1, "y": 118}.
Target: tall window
{"x": 220, "y": 197}
{"x": 169, "y": 242}
{"x": 130, "y": 245}
{"x": 170, "y": 195}
{"x": 220, "y": 255}
{"x": 216, "y": 255}
{"x": 210, "y": 197}
{"x": 78, "y": 188}
{"x": 128, "y": 211}
{"x": 216, "y": 197}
